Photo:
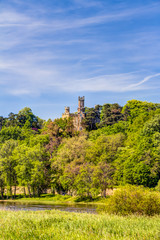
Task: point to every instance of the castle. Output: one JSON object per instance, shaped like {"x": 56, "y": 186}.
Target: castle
{"x": 77, "y": 117}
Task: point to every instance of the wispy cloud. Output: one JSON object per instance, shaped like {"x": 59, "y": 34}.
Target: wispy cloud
{"x": 64, "y": 53}
{"x": 12, "y": 18}
{"x": 111, "y": 83}
{"x": 34, "y": 81}
{"x": 146, "y": 79}
{"x": 87, "y": 4}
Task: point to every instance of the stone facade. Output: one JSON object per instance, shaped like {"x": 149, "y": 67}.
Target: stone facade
{"x": 77, "y": 117}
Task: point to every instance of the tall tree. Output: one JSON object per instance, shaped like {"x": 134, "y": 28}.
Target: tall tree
{"x": 8, "y": 164}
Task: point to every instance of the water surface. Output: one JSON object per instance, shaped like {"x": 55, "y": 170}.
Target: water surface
{"x": 17, "y": 206}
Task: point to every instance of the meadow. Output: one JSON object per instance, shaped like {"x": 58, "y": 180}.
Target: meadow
{"x": 58, "y": 225}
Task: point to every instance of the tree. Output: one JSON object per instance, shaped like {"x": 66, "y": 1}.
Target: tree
{"x": 103, "y": 177}
{"x": 11, "y": 120}
{"x": 26, "y": 115}
{"x": 83, "y": 181}
{"x": 15, "y": 133}
{"x": 70, "y": 150}
{"x": 70, "y": 174}
{"x": 2, "y": 122}
{"x": 2, "y": 183}
{"x": 104, "y": 148}
{"x": 91, "y": 119}
{"x": 152, "y": 126}
{"x": 32, "y": 169}
{"x": 110, "y": 114}
{"x": 134, "y": 108}
{"x": 8, "y": 164}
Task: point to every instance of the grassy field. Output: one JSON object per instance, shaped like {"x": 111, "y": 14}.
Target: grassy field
{"x": 58, "y": 225}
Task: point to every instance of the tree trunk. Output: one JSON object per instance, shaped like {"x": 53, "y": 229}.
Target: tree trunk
{"x": 38, "y": 191}
{"x": 53, "y": 191}
{"x": 33, "y": 189}
{"x": 2, "y": 192}
{"x": 10, "y": 190}
{"x": 29, "y": 191}
{"x": 104, "y": 193}
{"x": 15, "y": 188}
{"x": 24, "y": 190}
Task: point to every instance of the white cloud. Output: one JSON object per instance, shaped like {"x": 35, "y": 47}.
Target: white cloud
{"x": 39, "y": 81}
{"x": 146, "y": 79}
{"x": 111, "y": 83}
{"x": 13, "y": 18}
{"x": 26, "y": 68}
{"x": 87, "y": 4}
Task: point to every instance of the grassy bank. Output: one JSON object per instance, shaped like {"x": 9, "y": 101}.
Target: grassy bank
{"x": 57, "y": 199}
{"x": 63, "y": 225}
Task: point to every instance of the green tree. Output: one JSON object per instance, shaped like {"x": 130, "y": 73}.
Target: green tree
{"x": 11, "y": 120}
{"x": 104, "y": 148}
{"x": 134, "y": 108}
{"x": 83, "y": 181}
{"x": 33, "y": 168}
{"x": 70, "y": 174}
{"x": 8, "y": 164}
{"x": 2, "y": 122}
{"x": 102, "y": 178}
{"x": 91, "y": 119}
{"x": 110, "y": 114}
{"x": 26, "y": 115}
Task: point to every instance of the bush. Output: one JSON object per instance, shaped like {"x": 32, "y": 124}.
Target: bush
{"x": 158, "y": 186}
{"x": 133, "y": 200}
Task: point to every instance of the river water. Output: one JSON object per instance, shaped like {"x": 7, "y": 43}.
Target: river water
{"x": 14, "y": 206}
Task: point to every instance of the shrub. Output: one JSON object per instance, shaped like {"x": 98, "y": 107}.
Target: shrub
{"x": 133, "y": 200}
{"x": 158, "y": 186}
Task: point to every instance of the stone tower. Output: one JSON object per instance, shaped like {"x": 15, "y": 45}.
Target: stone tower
{"x": 81, "y": 113}
{"x": 81, "y": 107}
{"x": 67, "y": 110}
{"x": 66, "y": 114}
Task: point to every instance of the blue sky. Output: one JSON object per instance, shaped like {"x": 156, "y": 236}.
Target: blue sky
{"x": 52, "y": 51}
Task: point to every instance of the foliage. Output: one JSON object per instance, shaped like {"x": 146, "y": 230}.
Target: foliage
{"x": 104, "y": 148}
{"x": 102, "y": 178}
{"x": 110, "y": 114}
{"x": 7, "y": 164}
{"x": 118, "y": 146}
{"x": 92, "y": 117}
{"x": 14, "y": 132}
{"x": 120, "y": 127}
{"x": 133, "y": 200}
{"x": 134, "y": 108}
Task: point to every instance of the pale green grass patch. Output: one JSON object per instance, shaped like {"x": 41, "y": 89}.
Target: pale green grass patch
{"x": 58, "y": 225}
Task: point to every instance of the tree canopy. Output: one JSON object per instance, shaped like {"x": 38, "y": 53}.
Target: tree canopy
{"x": 122, "y": 147}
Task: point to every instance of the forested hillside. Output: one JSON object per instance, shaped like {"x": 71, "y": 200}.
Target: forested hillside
{"x": 39, "y": 155}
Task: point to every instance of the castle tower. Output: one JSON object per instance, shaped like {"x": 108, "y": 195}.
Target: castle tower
{"x": 67, "y": 110}
{"x": 66, "y": 114}
{"x": 81, "y": 108}
{"x": 81, "y": 113}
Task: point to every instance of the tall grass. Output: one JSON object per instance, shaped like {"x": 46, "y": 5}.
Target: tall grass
{"x": 53, "y": 224}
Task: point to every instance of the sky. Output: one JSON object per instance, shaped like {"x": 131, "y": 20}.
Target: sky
{"x": 52, "y": 51}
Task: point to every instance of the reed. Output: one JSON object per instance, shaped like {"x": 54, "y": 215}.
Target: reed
{"x": 58, "y": 225}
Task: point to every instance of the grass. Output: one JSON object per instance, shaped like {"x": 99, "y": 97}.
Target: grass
{"x": 58, "y": 225}
{"x": 57, "y": 199}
